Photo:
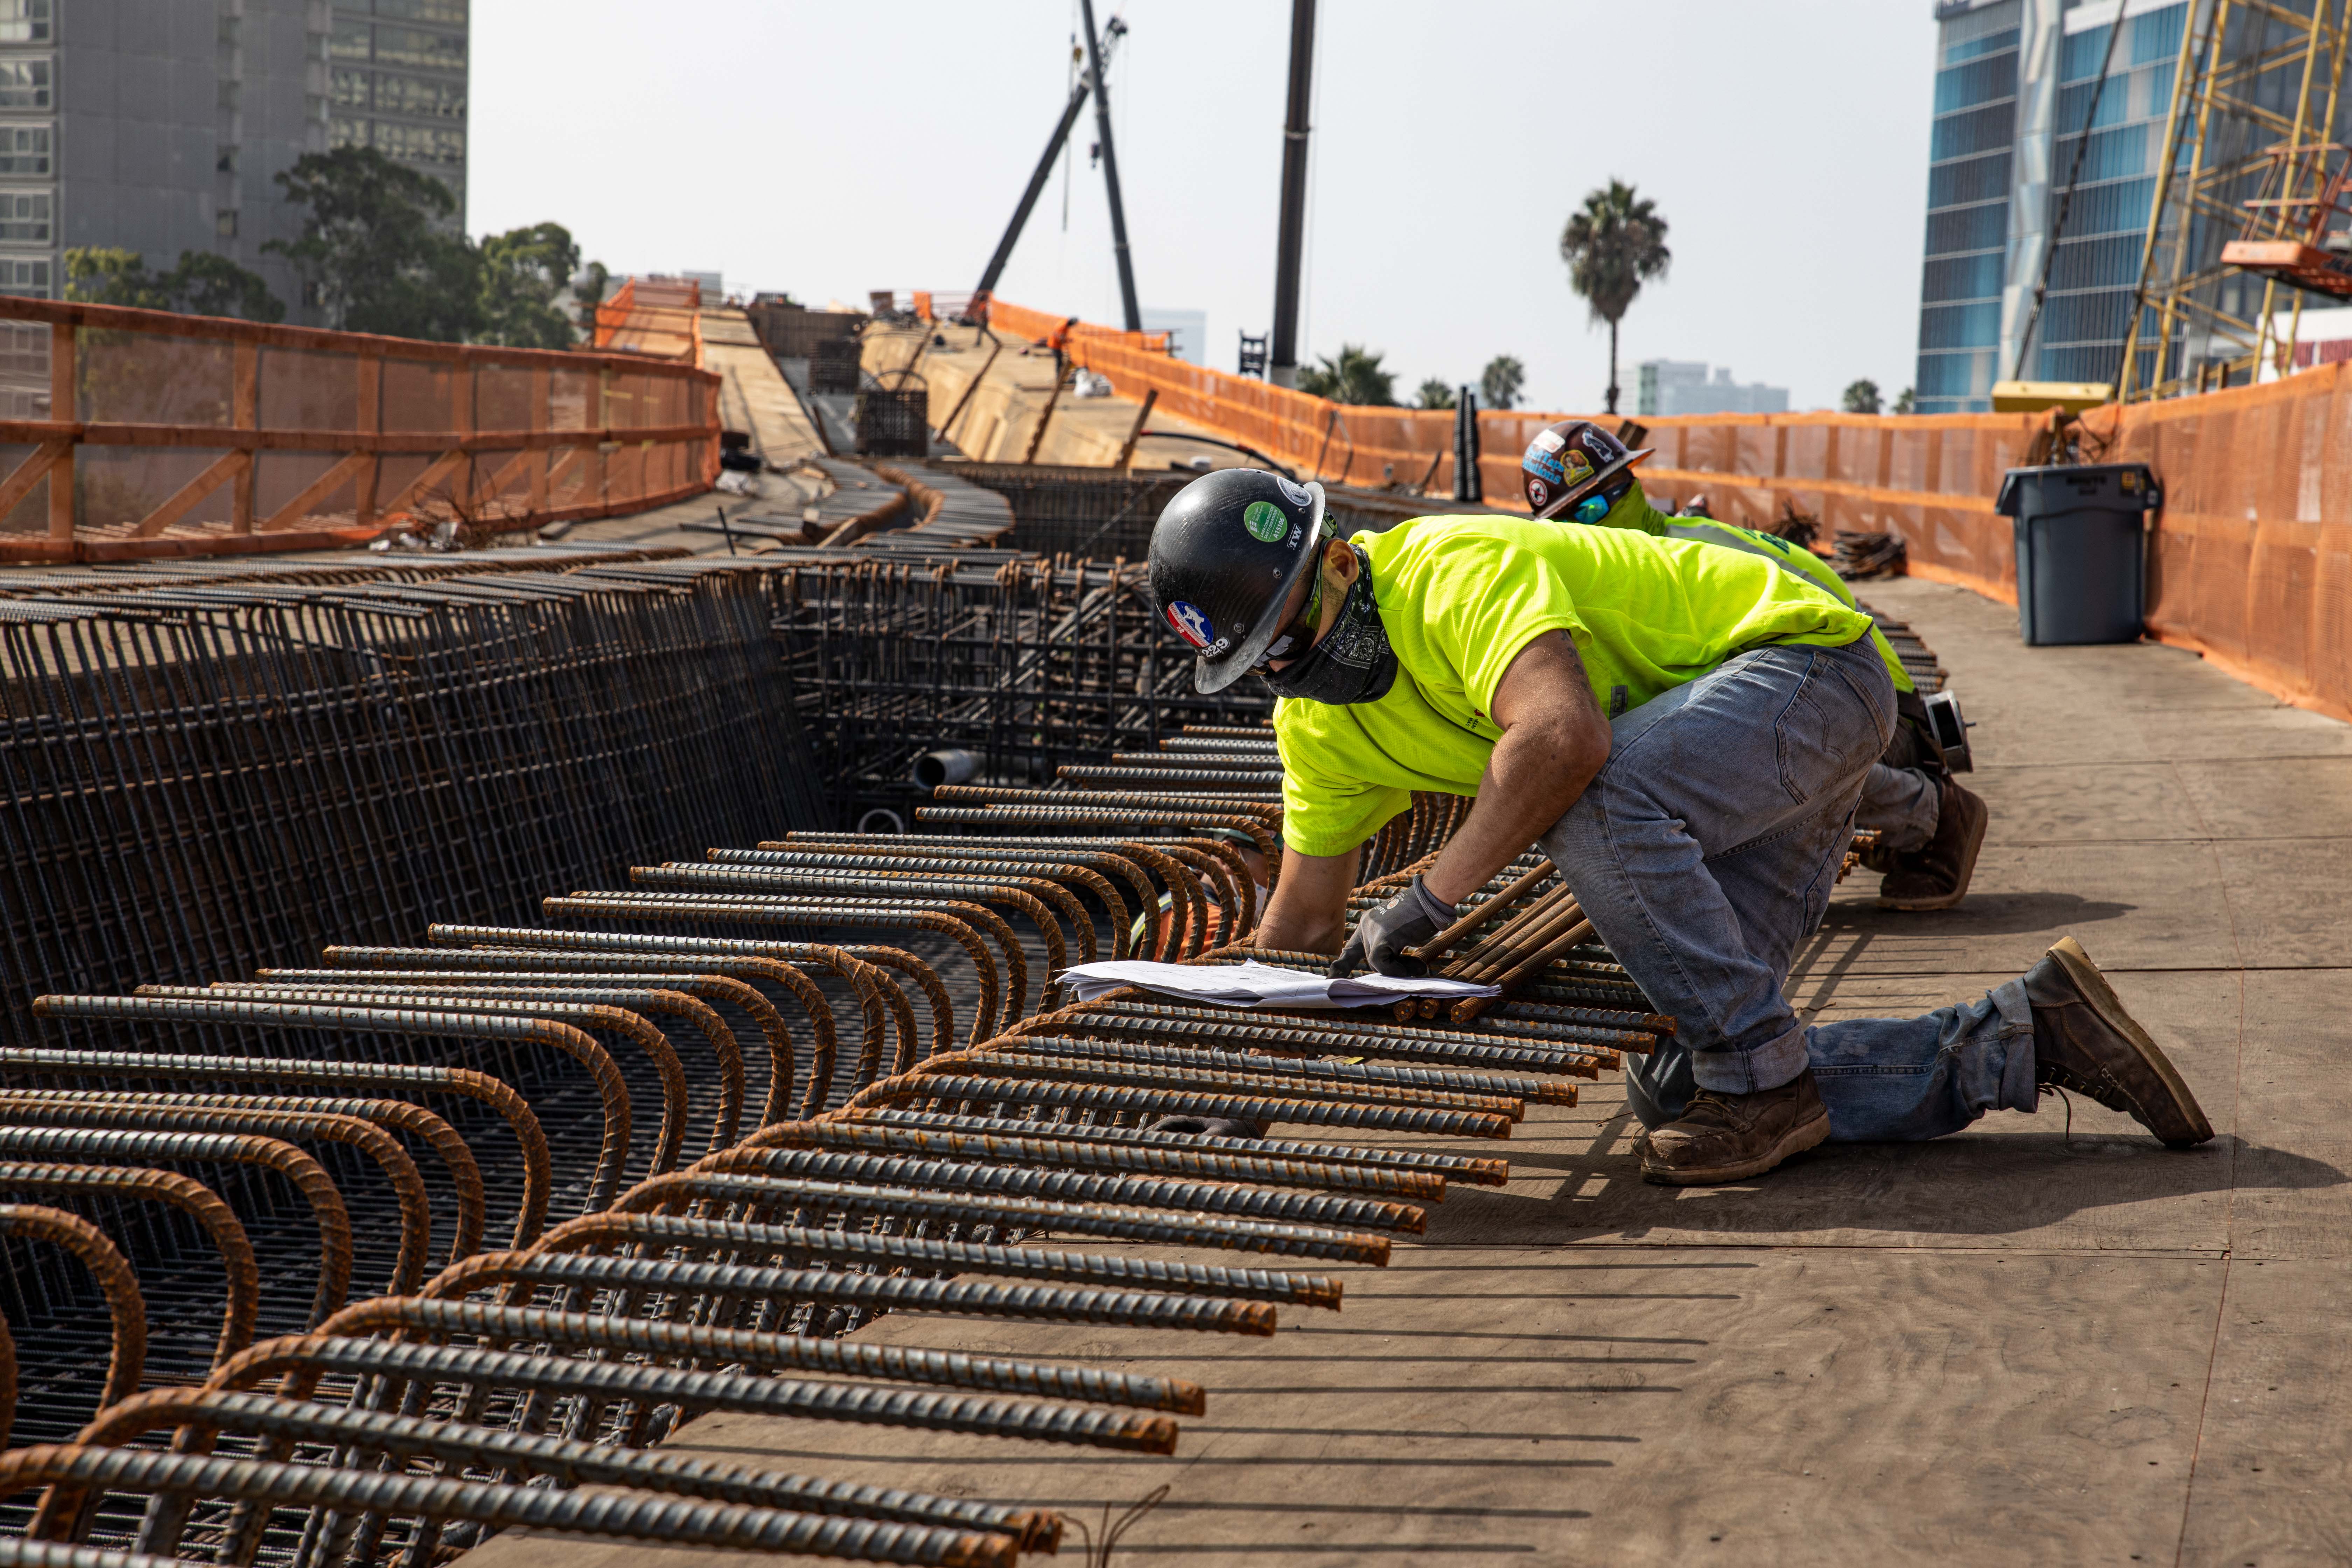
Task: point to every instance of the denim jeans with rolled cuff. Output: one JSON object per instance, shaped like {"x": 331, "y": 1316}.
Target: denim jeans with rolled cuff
{"x": 1705, "y": 852}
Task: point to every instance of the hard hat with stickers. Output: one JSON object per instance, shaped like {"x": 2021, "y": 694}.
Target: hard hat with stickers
{"x": 1577, "y": 468}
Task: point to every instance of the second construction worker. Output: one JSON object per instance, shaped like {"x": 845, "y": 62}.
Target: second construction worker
{"x": 1929, "y": 828}
{"x": 1685, "y": 730}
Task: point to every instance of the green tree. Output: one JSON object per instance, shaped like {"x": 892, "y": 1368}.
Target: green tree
{"x": 374, "y": 251}
{"x": 203, "y": 284}
{"x": 588, "y": 292}
{"x": 1500, "y": 382}
{"x": 1613, "y": 244}
{"x": 523, "y": 271}
{"x": 102, "y": 275}
{"x": 1356, "y": 377}
{"x": 1435, "y": 393}
{"x": 1861, "y": 397}
{"x": 1904, "y": 404}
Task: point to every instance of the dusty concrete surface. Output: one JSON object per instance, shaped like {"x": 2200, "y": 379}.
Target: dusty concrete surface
{"x": 2014, "y": 1345}
{"x": 752, "y": 394}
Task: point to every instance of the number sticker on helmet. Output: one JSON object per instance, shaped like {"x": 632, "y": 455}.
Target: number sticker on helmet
{"x": 1191, "y": 623}
{"x": 1265, "y": 521}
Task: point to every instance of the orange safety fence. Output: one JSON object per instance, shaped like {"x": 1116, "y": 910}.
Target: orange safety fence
{"x": 2250, "y": 562}
{"x": 1021, "y": 322}
{"x": 1930, "y": 478}
{"x": 145, "y": 433}
{"x": 2250, "y": 559}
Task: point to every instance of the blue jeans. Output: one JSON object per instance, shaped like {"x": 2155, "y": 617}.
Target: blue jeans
{"x": 1706, "y": 851}
{"x": 1902, "y": 804}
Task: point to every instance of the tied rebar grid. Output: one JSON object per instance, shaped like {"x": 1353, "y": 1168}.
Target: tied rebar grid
{"x": 196, "y": 780}
{"x": 1027, "y": 663}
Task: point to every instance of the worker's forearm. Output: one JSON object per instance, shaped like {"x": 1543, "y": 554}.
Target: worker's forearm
{"x": 1536, "y": 772}
{"x": 1308, "y": 910}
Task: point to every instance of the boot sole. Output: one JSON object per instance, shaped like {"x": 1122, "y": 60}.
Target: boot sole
{"x": 1795, "y": 1141}
{"x": 2102, "y": 1000}
{"x": 1968, "y": 875}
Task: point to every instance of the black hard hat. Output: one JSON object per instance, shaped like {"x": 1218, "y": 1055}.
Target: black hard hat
{"x": 1570, "y": 461}
{"x": 1224, "y": 556}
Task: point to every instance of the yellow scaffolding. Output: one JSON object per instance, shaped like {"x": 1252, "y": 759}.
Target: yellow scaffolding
{"x": 2246, "y": 156}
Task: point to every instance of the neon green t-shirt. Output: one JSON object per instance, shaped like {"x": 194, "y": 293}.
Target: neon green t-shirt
{"x": 1460, "y": 596}
{"x": 1635, "y": 510}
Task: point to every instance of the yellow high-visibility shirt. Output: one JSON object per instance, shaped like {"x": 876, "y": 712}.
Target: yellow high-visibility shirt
{"x": 1460, "y": 596}
{"x": 1635, "y": 510}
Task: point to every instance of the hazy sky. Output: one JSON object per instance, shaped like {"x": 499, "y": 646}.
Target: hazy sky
{"x": 830, "y": 148}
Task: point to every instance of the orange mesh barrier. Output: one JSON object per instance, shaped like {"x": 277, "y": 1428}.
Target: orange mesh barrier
{"x": 142, "y": 433}
{"x": 2251, "y": 561}
{"x": 1020, "y": 321}
{"x": 1930, "y": 478}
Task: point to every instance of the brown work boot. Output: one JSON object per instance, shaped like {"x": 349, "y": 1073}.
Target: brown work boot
{"x": 2084, "y": 1040}
{"x": 1936, "y": 875}
{"x": 1727, "y": 1137}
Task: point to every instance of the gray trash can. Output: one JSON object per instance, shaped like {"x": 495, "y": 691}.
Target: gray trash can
{"x": 2082, "y": 560}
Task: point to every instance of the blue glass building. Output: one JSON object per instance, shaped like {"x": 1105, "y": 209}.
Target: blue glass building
{"x": 2014, "y": 82}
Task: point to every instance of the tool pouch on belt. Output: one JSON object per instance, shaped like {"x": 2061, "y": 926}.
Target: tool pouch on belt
{"x": 1915, "y": 744}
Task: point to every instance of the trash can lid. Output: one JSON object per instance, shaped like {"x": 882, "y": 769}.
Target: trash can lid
{"x": 2133, "y": 485}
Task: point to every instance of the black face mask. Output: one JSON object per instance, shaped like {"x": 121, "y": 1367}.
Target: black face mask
{"x": 1353, "y": 664}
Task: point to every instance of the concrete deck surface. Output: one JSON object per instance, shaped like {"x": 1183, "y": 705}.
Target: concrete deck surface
{"x": 2014, "y": 1346}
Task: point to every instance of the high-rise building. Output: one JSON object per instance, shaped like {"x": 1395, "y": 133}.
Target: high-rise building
{"x": 2017, "y": 82}
{"x": 1683, "y": 386}
{"x": 158, "y": 126}
{"x": 400, "y": 84}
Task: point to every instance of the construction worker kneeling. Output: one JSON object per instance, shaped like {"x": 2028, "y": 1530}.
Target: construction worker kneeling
{"x": 1684, "y": 729}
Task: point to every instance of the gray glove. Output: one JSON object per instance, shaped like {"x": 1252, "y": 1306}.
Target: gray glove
{"x": 1409, "y": 918}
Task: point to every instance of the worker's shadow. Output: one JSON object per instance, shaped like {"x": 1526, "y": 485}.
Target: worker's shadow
{"x": 2006, "y": 1176}
{"x": 1980, "y": 914}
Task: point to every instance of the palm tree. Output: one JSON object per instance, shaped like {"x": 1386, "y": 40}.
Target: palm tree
{"x": 1861, "y": 397}
{"x": 1500, "y": 382}
{"x": 1356, "y": 377}
{"x": 1613, "y": 244}
{"x": 1435, "y": 393}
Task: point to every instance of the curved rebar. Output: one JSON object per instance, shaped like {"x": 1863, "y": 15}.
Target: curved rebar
{"x": 460, "y": 1082}
{"x": 306, "y": 1174}
{"x": 206, "y": 1007}
{"x": 161, "y": 1113}
{"x": 126, "y": 1360}
{"x": 242, "y": 1304}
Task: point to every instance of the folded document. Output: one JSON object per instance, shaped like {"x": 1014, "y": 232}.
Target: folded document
{"x": 1255, "y": 984}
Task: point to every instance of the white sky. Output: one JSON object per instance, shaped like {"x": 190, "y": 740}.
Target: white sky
{"x": 830, "y": 148}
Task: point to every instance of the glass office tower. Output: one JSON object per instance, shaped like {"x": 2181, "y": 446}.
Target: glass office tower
{"x": 2014, "y": 83}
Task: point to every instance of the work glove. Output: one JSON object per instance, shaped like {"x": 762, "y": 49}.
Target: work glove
{"x": 1409, "y": 918}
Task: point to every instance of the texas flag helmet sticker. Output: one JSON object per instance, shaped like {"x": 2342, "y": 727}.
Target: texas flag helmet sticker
{"x": 1191, "y": 623}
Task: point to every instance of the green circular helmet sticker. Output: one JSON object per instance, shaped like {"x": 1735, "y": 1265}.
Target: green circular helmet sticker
{"x": 1264, "y": 521}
